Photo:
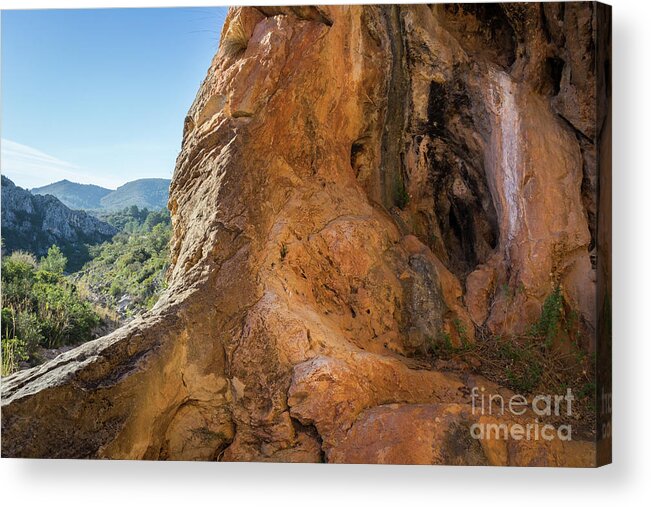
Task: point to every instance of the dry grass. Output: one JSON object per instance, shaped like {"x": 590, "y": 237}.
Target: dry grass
{"x": 527, "y": 366}
{"x": 549, "y": 359}
{"x": 235, "y": 40}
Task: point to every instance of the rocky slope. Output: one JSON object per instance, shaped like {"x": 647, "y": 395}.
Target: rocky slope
{"x": 354, "y": 183}
{"x": 36, "y": 222}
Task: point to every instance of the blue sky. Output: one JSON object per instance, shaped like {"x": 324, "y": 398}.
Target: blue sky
{"x": 99, "y": 95}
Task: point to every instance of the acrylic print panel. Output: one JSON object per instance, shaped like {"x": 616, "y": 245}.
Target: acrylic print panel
{"x": 386, "y": 239}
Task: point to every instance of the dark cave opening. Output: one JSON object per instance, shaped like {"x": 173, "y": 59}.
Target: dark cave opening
{"x": 490, "y": 33}
{"x": 462, "y": 228}
{"x": 355, "y": 152}
{"x": 466, "y": 220}
{"x": 553, "y": 75}
{"x": 461, "y": 224}
{"x": 436, "y": 106}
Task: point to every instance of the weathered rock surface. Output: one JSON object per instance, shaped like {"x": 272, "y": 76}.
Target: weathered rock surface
{"x": 354, "y": 183}
{"x": 441, "y": 435}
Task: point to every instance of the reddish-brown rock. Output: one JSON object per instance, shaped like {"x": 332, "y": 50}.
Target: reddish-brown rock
{"x": 442, "y": 434}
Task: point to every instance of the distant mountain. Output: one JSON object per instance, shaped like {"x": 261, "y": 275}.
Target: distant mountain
{"x": 34, "y": 223}
{"x": 151, "y": 193}
{"x": 75, "y": 195}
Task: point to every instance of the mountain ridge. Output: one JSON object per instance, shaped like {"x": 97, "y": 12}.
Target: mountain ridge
{"x": 36, "y": 222}
{"x": 74, "y": 195}
{"x": 151, "y": 193}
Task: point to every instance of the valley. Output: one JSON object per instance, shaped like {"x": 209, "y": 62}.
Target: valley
{"x": 69, "y": 277}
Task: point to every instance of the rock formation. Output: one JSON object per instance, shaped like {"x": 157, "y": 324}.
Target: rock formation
{"x": 354, "y": 183}
{"x": 36, "y": 222}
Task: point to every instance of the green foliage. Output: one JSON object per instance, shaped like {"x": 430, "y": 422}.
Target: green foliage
{"x": 54, "y": 261}
{"x": 40, "y": 308}
{"x": 549, "y": 324}
{"x": 442, "y": 347}
{"x": 523, "y": 367}
{"x": 400, "y": 194}
{"x": 17, "y": 276}
{"x": 13, "y": 353}
{"x": 461, "y": 331}
{"x": 283, "y": 251}
{"x": 116, "y": 289}
{"x": 588, "y": 390}
{"x": 439, "y": 346}
{"x": 132, "y": 219}
{"x": 21, "y": 336}
{"x": 134, "y": 263}
{"x": 65, "y": 318}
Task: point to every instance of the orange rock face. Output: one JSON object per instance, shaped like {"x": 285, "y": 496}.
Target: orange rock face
{"x": 355, "y": 185}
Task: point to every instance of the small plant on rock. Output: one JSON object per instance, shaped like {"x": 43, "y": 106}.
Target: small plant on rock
{"x": 400, "y": 194}
{"x": 549, "y": 324}
{"x": 235, "y": 40}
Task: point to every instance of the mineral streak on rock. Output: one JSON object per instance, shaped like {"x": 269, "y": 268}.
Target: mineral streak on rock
{"x": 354, "y": 183}
{"x": 508, "y": 166}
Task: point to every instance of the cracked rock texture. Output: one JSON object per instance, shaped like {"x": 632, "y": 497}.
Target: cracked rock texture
{"x": 353, "y": 183}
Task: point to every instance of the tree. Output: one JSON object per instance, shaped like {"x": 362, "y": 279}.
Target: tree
{"x": 54, "y": 261}
{"x": 40, "y": 308}
{"x": 133, "y": 263}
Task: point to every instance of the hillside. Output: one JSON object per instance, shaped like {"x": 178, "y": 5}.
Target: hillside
{"x": 44, "y": 309}
{"x": 34, "y": 223}
{"x": 150, "y": 193}
{"x": 74, "y": 195}
{"x": 127, "y": 274}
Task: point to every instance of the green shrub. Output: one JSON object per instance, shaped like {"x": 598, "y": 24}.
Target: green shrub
{"x": 28, "y": 329}
{"x": 462, "y": 331}
{"x": 560, "y": 326}
{"x": 439, "y": 346}
{"x": 65, "y": 318}
{"x": 132, "y": 263}
{"x": 40, "y": 307}
{"x": 549, "y": 324}
{"x": 400, "y": 194}
{"x": 54, "y": 261}
{"x": 18, "y": 271}
{"x": 116, "y": 290}
{"x": 11, "y": 355}
{"x": 523, "y": 367}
